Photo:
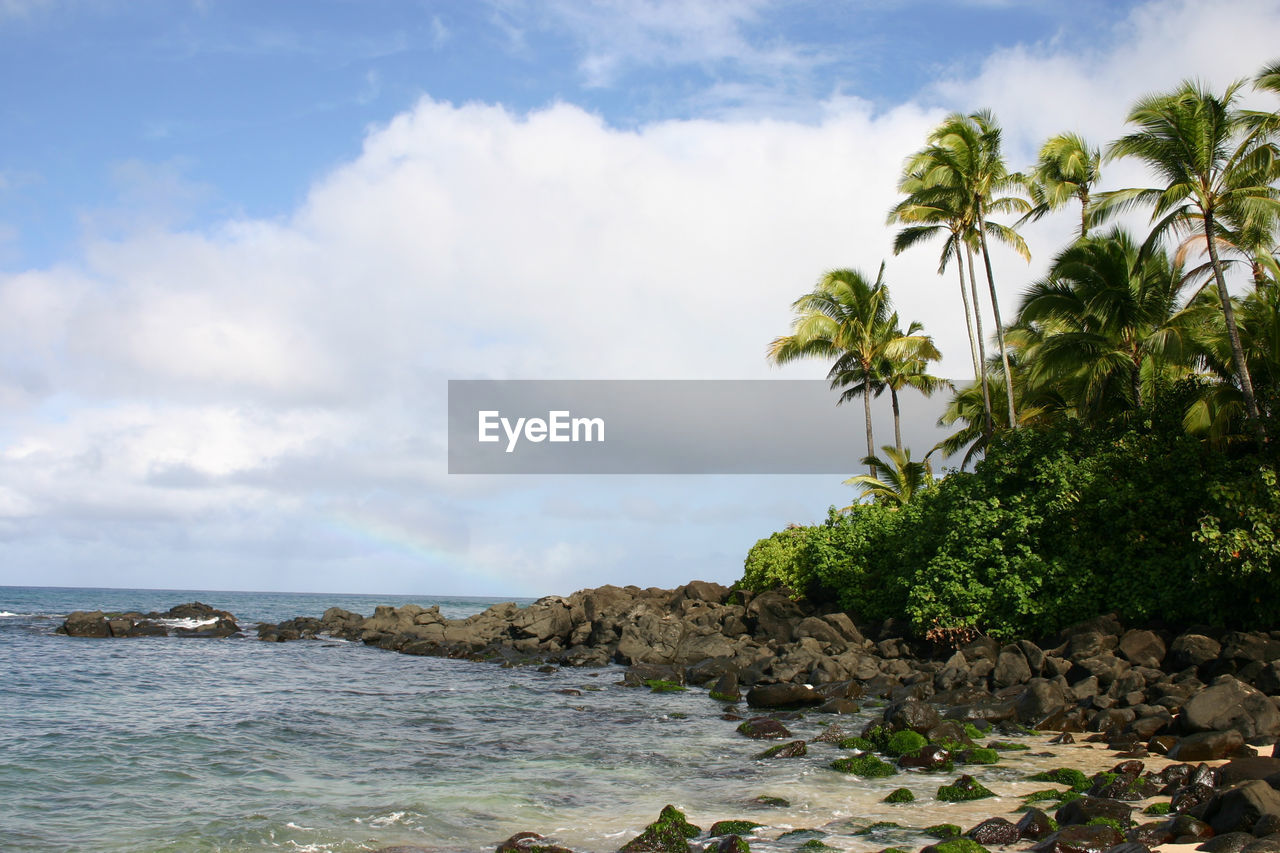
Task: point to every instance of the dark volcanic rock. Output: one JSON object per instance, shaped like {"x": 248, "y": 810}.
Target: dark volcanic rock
{"x": 1034, "y": 825}
{"x": 1230, "y": 704}
{"x": 1206, "y": 746}
{"x": 1086, "y": 809}
{"x": 912, "y": 714}
{"x": 1230, "y": 842}
{"x": 1238, "y": 809}
{"x": 1245, "y": 769}
{"x": 783, "y": 696}
{"x": 1143, "y": 648}
{"x": 762, "y": 728}
{"x": 1080, "y": 839}
{"x": 995, "y": 831}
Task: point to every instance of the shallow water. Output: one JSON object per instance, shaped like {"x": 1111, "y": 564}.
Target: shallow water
{"x": 227, "y": 745}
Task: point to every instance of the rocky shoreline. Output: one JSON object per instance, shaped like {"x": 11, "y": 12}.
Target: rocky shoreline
{"x": 1184, "y": 700}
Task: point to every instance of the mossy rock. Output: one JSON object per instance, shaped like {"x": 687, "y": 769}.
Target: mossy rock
{"x": 905, "y": 742}
{"x": 1158, "y": 809}
{"x": 1046, "y": 795}
{"x": 894, "y": 850}
{"x": 900, "y": 795}
{"x": 728, "y": 844}
{"x": 1007, "y": 746}
{"x": 732, "y": 827}
{"x": 658, "y": 685}
{"x": 670, "y": 833}
{"x": 979, "y": 755}
{"x": 1071, "y": 777}
{"x": 866, "y": 766}
{"x": 793, "y": 834}
{"x": 959, "y": 845}
{"x": 724, "y": 697}
{"x": 1108, "y": 821}
{"x": 794, "y": 749}
{"x": 964, "y": 789}
{"x": 878, "y": 737}
{"x": 859, "y": 743}
{"x": 879, "y": 825}
{"x": 942, "y": 830}
{"x": 815, "y": 844}
{"x": 972, "y": 731}
{"x": 771, "y": 802}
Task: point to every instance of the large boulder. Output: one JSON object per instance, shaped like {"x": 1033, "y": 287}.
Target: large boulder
{"x": 1238, "y": 809}
{"x": 774, "y": 616}
{"x": 783, "y": 696}
{"x": 1143, "y": 648}
{"x": 1231, "y": 704}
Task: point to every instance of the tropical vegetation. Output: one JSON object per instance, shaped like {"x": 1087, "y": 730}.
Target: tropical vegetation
{"x": 1131, "y": 466}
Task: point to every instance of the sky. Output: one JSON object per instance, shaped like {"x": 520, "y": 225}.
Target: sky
{"x": 244, "y": 247}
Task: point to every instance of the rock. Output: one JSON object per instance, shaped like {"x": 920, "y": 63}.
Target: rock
{"x": 726, "y": 688}
{"x": 670, "y": 833}
{"x": 1086, "y": 809}
{"x": 1230, "y": 842}
{"x": 763, "y": 728}
{"x": 1230, "y": 704}
{"x": 1143, "y": 648}
{"x": 820, "y": 630}
{"x": 1192, "y": 650}
{"x": 1129, "y": 847}
{"x": 1238, "y": 809}
{"x": 521, "y": 842}
{"x": 996, "y": 831}
{"x": 912, "y": 714}
{"x": 930, "y": 757}
{"x": 1080, "y": 839}
{"x": 774, "y": 616}
{"x": 1184, "y": 827}
{"x": 1246, "y": 769}
{"x": 1206, "y": 746}
{"x": 1011, "y": 668}
{"x": 783, "y": 696}
{"x": 963, "y": 789}
{"x": 795, "y": 749}
{"x": 1039, "y": 700}
{"x": 1034, "y": 825}
{"x": 727, "y": 844}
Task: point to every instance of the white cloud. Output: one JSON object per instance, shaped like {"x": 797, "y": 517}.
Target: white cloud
{"x": 258, "y": 385}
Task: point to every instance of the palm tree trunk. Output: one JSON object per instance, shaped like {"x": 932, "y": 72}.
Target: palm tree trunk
{"x": 1233, "y": 334}
{"x": 995, "y": 310}
{"x": 866, "y": 402}
{"x": 897, "y": 419}
{"x": 1083, "y": 195}
{"x": 989, "y": 426}
{"x": 968, "y": 313}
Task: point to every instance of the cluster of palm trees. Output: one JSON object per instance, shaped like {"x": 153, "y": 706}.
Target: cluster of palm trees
{"x": 1117, "y": 318}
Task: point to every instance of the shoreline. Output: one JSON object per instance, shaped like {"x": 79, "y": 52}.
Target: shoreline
{"x": 677, "y": 625}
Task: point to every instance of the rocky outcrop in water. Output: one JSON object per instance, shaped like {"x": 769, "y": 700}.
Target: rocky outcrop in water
{"x": 186, "y": 620}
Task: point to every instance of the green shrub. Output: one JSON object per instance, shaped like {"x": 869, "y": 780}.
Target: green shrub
{"x": 1057, "y": 524}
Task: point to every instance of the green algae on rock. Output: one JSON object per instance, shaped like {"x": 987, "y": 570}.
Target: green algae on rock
{"x": 668, "y": 834}
{"x": 900, "y": 795}
{"x": 867, "y": 766}
{"x": 964, "y": 789}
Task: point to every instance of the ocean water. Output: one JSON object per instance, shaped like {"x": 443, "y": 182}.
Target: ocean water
{"x": 166, "y": 744}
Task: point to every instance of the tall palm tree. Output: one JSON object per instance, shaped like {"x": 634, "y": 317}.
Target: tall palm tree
{"x": 846, "y": 318}
{"x": 901, "y": 481}
{"x": 964, "y": 154}
{"x": 929, "y": 212}
{"x": 1216, "y": 166}
{"x": 1105, "y": 325}
{"x": 1067, "y": 169}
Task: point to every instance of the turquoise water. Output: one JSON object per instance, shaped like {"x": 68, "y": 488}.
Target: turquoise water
{"x": 173, "y": 744}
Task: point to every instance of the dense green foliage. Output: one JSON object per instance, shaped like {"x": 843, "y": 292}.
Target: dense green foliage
{"x": 1055, "y": 525}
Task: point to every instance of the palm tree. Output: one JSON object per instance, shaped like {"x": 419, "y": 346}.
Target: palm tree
{"x": 1104, "y": 325}
{"x": 1067, "y": 169}
{"x": 846, "y": 318}
{"x": 1217, "y": 168}
{"x": 909, "y": 370}
{"x": 964, "y": 154}
{"x": 901, "y": 481}
{"x": 932, "y": 211}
